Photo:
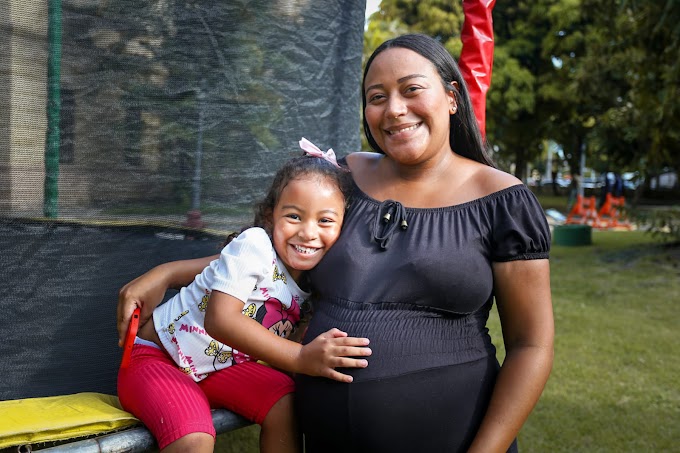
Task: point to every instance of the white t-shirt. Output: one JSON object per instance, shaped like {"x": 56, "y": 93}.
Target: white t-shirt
{"x": 247, "y": 269}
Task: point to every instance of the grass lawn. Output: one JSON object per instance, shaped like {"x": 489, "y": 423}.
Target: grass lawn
{"x": 549, "y": 201}
{"x": 615, "y": 386}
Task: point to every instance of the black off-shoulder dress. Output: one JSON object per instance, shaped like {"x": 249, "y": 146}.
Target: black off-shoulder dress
{"x": 420, "y": 287}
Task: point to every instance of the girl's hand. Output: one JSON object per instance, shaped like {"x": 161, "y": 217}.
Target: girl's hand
{"x": 148, "y": 290}
{"x": 331, "y": 350}
{"x": 145, "y": 292}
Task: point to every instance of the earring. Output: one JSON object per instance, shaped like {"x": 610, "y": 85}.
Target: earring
{"x": 454, "y": 108}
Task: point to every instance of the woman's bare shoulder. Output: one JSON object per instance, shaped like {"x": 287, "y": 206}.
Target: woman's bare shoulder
{"x": 362, "y": 159}
{"x": 364, "y": 155}
{"x": 491, "y": 180}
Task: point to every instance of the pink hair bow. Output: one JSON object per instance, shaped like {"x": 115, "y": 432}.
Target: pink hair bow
{"x": 311, "y": 149}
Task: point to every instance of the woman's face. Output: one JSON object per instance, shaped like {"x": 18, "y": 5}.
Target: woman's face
{"x": 407, "y": 107}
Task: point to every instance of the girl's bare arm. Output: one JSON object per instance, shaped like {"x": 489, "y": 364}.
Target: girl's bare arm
{"x": 225, "y": 322}
{"x": 148, "y": 290}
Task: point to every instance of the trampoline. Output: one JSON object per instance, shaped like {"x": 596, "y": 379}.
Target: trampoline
{"x": 134, "y": 133}
{"x": 138, "y": 133}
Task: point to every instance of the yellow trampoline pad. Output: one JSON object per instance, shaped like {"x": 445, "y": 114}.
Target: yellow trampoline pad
{"x": 36, "y": 420}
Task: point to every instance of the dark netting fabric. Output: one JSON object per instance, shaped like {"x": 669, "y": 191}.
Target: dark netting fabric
{"x": 133, "y": 133}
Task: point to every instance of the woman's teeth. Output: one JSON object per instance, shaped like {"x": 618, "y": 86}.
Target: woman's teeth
{"x": 410, "y": 128}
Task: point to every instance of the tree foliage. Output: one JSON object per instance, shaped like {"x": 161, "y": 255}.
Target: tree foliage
{"x": 442, "y": 19}
{"x": 596, "y": 76}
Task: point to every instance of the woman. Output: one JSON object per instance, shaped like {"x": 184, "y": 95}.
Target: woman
{"x": 433, "y": 235}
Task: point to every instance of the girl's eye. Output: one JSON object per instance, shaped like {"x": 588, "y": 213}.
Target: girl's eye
{"x": 293, "y": 216}
{"x": 413, "y": 89}
{"x": 326, "y": 220}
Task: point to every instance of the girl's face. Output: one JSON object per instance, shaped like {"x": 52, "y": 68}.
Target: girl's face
{"x": 306, "y": 222}
{"x": 407, "y": 107}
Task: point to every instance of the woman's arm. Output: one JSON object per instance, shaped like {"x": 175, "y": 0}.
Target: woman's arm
{"x": 225, "y": 322}
{"x": 147, "y": 290}
{"x": 522, "y": 290}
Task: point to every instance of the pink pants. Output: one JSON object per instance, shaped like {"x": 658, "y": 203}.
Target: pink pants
{"x": 172, "y": 405}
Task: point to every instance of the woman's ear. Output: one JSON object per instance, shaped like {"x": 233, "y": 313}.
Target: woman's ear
{"x": 451, "y": 93}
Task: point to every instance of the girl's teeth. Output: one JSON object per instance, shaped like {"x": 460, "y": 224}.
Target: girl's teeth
{"x": 304, "y": 249}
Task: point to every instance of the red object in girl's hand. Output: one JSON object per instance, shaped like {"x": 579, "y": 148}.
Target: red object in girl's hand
{"x": 130, "y": 338}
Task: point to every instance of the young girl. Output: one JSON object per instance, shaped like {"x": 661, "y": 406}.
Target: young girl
{"x": 201, "y": 350}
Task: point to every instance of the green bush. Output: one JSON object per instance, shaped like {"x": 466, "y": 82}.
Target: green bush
{"x": 661, "y": 223}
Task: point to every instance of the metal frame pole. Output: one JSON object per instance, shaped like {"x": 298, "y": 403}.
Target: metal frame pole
{"x": 52, "y": 139}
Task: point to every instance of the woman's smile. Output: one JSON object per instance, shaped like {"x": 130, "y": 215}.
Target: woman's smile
{"x": 399, "y": 130}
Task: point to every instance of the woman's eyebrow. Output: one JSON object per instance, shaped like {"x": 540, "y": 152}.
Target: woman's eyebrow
{"x": 400, "y": 80}
{"x": 411, "y": 76}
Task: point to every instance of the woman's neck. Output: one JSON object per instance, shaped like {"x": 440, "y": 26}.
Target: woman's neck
{"x": 430, "y": 184}
{"x": 439, "y": 166}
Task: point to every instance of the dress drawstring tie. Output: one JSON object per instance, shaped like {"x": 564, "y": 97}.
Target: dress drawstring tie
{"x": 391, "y": 214}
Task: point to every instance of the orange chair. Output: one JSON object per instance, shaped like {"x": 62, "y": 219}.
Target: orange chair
{"x": 584, "y": 212}
{"x": 610, "y": 213}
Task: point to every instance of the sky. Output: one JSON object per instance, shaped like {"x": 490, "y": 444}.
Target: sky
{"x": 371, "y": 7}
